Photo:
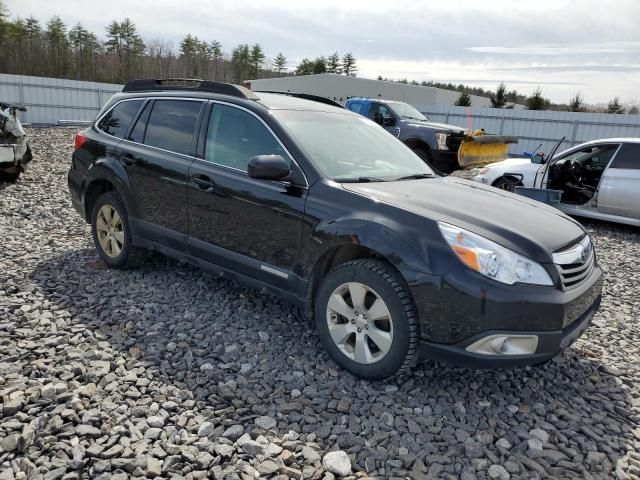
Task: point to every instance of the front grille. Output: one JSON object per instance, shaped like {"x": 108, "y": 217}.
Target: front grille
{"x": 454, "y": 140}
{"x": 575, "y": 263}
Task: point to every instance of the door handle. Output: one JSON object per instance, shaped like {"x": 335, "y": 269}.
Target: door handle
{"x": 203, "y": 182}
{"x": 128, "y": 159}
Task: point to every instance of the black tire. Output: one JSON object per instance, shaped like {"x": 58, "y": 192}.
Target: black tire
{"x": 129, "y": 256}
{"x": 10, "y": 177}
{"x": 507, "y": 184}
{"x": 425, "y": 155}
{"x": 392, "y": 289}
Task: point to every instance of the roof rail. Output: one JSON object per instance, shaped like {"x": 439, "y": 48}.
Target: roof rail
{"x": 188, "y": 84}
{"x": 306, "y": 96}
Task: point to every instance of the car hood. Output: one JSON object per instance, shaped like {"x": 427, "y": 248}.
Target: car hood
{"x": 434, "y": 125}
{"x": 528, "y": 227}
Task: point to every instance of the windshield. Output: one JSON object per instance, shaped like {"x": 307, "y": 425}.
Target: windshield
{"x": 348, "y": 147}
{"x": 407, "y": 111}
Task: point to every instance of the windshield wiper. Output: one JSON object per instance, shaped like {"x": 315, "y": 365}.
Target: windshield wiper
{"x": 417, "y": 176}
{"x": 359, "y": 179}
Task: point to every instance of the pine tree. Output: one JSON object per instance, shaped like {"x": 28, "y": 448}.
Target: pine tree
{"x": 615, "y": 106}
{"x": 464, "y": 100}
{"x": 216, "y": 54}
{"x": 56, "y": 36}
{"x": 240, "y": 61}
{"x": 536, "y": 101}
{"x": 319, "y": 65}
{"x": 124, "y": 42}
{"x": 499, "y": 99}
{"x": 257, "y": 58}
{"x": 34, "y": 40}
{"x": 576, "y": 104}
{"x": 305, "y": 67}
{"x": 333, "y": 63}
{"x": 349, "y": 64}
{"x": 280, "y": 62}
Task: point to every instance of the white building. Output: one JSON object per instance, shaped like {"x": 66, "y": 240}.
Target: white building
{"x": 341, "y": 87}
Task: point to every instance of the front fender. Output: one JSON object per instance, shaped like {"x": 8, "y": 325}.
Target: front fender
{"x": 409, "y": 133}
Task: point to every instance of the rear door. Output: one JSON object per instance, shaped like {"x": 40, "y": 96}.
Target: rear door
{"x": 619, "y": 192}
{"x": 247, "y": 225}
{"x": 157, "y": 154}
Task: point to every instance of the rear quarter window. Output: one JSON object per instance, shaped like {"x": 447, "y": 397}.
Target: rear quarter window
{"x": 628, "y": 157}
{"x": 116, "y": 122}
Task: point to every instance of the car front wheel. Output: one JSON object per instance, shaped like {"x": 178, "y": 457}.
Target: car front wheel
{"x": 366, "y": 319}
{"x": 506, "y": 183}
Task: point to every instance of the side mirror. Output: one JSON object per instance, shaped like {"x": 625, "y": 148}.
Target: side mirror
{"x": 388, "y": 121}
{"x": 538, "y": 159}
{"x": 269, "y": 167}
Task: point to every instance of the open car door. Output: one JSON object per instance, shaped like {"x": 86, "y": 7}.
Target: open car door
{"x": 619, "y": 191}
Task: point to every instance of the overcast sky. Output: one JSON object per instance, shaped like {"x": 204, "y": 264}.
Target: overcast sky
{"x": 562, "y": 46}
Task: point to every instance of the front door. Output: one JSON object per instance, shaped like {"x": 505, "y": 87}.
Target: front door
{"x": 236, "y": 221}
{"x": 157, "y": 155}
{"x": 382, "y": 115}
{"x": 619, "y": 192}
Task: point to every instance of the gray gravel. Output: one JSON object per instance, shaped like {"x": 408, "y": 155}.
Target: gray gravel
{"x": 167, "y": 371}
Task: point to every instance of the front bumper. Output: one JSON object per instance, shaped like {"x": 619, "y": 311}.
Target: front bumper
{"x": 459, "y": 309}
{"x": 550, "y": 343}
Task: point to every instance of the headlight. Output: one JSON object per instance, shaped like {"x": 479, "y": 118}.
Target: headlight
{"x": 483, "y": 170}
{"x": 441, "y": 140}
{"x": 491, "y": 259}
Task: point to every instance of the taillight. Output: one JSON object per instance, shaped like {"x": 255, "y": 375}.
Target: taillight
{"x": 79, "y": 141}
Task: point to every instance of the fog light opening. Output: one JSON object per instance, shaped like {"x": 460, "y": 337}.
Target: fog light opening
{"x": 503, "y": 344}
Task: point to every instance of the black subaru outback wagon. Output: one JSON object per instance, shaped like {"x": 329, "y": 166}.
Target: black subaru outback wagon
{"x": 324, "y": 207}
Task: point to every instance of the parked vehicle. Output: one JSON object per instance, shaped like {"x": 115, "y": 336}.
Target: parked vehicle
{"x": 598, "y": 179}
{"x": 15, "y": 151}
{"x": 445, "y": 147}
{"x": 322, "y": 206}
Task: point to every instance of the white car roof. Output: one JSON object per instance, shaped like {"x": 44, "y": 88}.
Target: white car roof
{"x": 614, "y": 140}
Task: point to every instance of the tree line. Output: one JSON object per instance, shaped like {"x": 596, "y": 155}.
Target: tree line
{"x": 504, "y": 98}
{"x": 57, "y": 50}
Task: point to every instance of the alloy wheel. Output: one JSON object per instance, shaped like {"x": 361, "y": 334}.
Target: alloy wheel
{"x": 360, "y": 323}
{"x": 110, "y": 231}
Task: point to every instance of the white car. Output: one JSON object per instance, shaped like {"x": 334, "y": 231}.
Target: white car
{"x": 599, "y": 179}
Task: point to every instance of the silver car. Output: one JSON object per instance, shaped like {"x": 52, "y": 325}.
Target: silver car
{"x": 598, "y": 179}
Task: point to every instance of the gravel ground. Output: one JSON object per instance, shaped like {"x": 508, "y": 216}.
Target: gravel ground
{"x": 168, "y": 371}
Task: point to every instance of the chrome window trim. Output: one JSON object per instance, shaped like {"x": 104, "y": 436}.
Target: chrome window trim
{"x": 207, "y": 162}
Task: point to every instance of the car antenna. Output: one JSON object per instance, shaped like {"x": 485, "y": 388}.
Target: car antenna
{"x": 537, "y": 148}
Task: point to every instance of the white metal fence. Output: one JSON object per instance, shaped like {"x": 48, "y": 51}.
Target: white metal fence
{"x": 52, "y": 101}
{"x": 537, "y": 127}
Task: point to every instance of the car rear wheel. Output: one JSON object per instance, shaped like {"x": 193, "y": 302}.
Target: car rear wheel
{"x": 506, "y": 183}
{"x": 112, "y": 234}
{"x": 366, "y": 319}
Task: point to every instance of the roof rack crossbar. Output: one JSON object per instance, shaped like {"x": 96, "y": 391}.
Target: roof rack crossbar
{"x": 155, "y": 84}
{"x": 306, "y": 96}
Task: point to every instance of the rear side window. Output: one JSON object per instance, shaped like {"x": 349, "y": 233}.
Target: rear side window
{"x": 628, "y": 157}
{"x": 137, "y": 132}
{"x": 116, "y": 121}
{"x": 172, "y": 124}
{"x": 235, "y": 136}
